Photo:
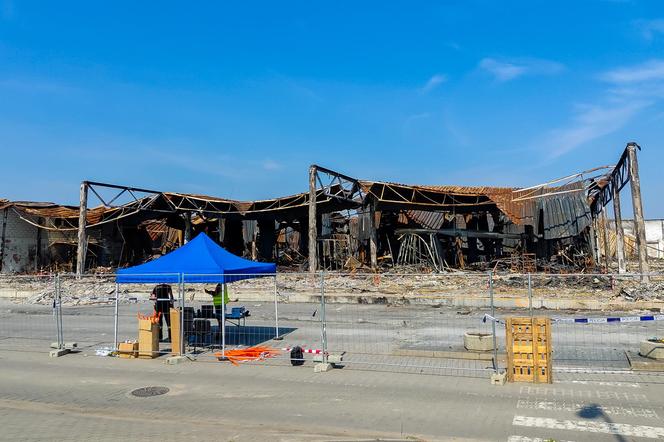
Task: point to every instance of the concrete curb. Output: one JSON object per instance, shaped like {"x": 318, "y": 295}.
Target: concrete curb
{"x": 472, "y": 300}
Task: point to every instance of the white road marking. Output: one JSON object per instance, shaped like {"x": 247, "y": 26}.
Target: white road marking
{"x": 530, "y": 439}
{"x": 590, "y": 426}
{"x": 583, "y": 394}
{"x": 575, "y": 407}
{"x": 606, "y": 383}
{"x": 563, "y": 369}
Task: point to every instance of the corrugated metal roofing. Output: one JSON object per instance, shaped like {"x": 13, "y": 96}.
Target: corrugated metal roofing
{"x": 564, "y": 214}
{"x": 52, "y": 210}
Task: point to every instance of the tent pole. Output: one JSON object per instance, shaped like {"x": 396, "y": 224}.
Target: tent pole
{"x": 115, "y": 330}
{"x": 276, "y": 310}
{"x": 182, "y": 348}
{"x": 223, "y": 322}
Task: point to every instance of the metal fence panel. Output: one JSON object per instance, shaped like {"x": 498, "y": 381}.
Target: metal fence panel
{"x": 396, "y": 322}
{"x": 28, "y": 320}
{"x": 408, "y": 323}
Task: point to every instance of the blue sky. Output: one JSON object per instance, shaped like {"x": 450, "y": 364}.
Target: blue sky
{"x": 236, "y": 100}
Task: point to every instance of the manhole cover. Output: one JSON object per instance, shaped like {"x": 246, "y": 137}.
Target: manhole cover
{"x": 150, "y": 391}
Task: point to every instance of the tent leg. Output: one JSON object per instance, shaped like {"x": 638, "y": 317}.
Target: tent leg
{"x": 223, "y": 323}
{"x": 276, "y": 312}
{"x": 115, "y": 322}
{"x": 182, "y": 347}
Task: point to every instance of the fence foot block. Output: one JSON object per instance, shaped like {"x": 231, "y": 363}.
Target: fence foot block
{"x": 322, "y": 367}
{"x": 174, "y": 360}
{"x": 59, "y": 352}
{"x": 332, "y": 358}
{"x": 67, "y": 345}
{"x": 498, "y": 378}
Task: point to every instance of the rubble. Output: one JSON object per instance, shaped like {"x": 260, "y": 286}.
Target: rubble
{"x": 390, "y": 288}
{"x": 643, "y": 292}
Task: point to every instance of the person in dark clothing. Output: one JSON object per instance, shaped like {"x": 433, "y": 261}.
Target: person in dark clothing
{"x": 162, "y": 295}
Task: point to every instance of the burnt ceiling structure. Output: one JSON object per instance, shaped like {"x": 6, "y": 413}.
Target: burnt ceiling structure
{"x": 556, "y": 210}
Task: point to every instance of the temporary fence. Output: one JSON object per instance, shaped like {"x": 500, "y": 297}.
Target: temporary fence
{"x": 598, "y": 321}
{"x": 416, "y": 323}
{"x": 411, "y": 323}
{"x": 29, "y": 318}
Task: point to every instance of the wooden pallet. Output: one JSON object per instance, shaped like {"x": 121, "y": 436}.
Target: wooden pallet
{"x": 528, "y": 342}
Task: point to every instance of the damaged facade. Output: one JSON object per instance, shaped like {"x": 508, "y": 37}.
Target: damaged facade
{"x": 340, "y": 224}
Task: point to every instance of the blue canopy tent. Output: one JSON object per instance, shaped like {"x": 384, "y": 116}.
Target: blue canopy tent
{"x": 201, "y": 260}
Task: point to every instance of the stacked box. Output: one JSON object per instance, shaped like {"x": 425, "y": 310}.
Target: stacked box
{"x": 175, "y": 331}
{"x": 128, "y": 350}
{"x": 148, "y": 339}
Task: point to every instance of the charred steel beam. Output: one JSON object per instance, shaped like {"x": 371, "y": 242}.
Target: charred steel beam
{"x": 462, "y": 232}
{"x": 313, "y": 259}
{"x": 120, "y": 187}
{"x": 339, "y": 186}
{"x": 620, "y": 233}
{"x": 334, "y": 173}
{"x": 373, "y": 234}
{"x": 82, "y": 245}
{"x": 639, "y": 223}
{"x": 5, "y": 213}
{"x": 618, "y": 178}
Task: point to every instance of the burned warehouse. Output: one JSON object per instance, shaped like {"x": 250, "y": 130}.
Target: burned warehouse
{"x": 340, "y": 224}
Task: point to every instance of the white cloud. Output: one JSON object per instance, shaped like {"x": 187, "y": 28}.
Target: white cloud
{"x": 434, "y": 82}
{"x": 503, "y": 71}
{"x": 650, "y": 28}
{"x": 652, "y": 70}
{"x": 591, "y": 122}
{"x": 506, "y": 70}
{"x": 269, "y": 164}
{"x": 631, "y": 89}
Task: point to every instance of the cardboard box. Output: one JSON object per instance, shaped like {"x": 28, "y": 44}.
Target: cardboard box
{"x": 175, "y": 331}
{"x": 128, "y": 350}
{"x": 148, "y": 339}
{"x": 146, "y": 324}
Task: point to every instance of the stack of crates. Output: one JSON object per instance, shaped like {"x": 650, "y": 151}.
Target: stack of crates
{"x": 529, "y": 349}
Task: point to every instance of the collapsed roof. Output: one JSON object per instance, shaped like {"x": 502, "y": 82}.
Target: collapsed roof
{"x": 562, "y": 214}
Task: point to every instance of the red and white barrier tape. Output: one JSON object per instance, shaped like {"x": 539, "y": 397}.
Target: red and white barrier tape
{"x": 306, "y": 350}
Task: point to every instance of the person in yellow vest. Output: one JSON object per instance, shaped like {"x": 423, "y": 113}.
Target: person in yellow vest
{"x": 219, "y": 291}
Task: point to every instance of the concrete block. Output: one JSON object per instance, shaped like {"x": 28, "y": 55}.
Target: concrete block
{"x": 332, "y": 358}
{"x": 476, "y": 341}
{"x": 640, "y": 363}
{"x": 174, "y": 360}
{"x": 58, "y": 353}
{"x": 498, "y": 378}
{"x": 67, "y": 345}
{"x": 652, "y": 350}
{"x": 322, "y": 367}
{"x": 335, "y": 358}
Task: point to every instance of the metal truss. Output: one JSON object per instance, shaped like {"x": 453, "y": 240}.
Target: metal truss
{"x": 618, "y": 178}
{"x": 337, "y": 186}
